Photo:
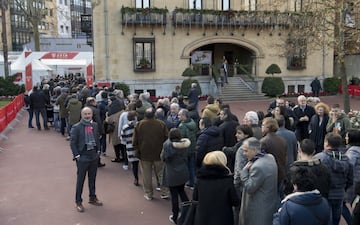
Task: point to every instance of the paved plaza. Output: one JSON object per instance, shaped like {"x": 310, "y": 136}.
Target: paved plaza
{"x": 38, "y": 181}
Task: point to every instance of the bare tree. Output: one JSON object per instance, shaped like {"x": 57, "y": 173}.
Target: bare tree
{"x": 35, "y": 12}
{"x": 328, "y": 24}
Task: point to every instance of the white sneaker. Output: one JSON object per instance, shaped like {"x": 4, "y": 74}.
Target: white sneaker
{"x": 158, "y": 188}
{"x": 125, "y": 167}
{"x": 171, "y": 219}
{"x": 148, "y": 197}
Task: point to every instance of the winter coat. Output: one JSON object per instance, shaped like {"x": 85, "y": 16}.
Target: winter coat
{"x": 115, "y": 136}
{"x": 302, "y": 127}
{"x": 276, "y": 145}
{"x": 343, "y": 122}
{"x": 174, "y": 154}
{"x": 353, "y": 153}
{"x": 148, "y": 139}
{"x": 211, "y": 111}
{"x": 96, "y": 118}
{"x": 228, "y": 131}
{"x": 188, "y": 130}
{"x": 259, "y": 201}
{"x": 61, "y": 102}
{"x": 74, "y": 108}
{"x": 291, "y": 145}
{"x": 38, "y": 100}
{"x": 208, "y": 140}
{"x": 301, "y": 208}
{"x": 340, "y": 169}
{"x": 317, "y": 131}
{"x": 216, "y": 195}
{"x": 126, "y": 138}
{"x": 321, "y": 172}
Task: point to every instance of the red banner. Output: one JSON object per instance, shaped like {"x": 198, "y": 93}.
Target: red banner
{"x": 28, "y": 77}
{"x": 60, "y": 55}
{"x": 354, "y": 90}
{"x": 89, "y": 77}
{"x": 3, "y": 121}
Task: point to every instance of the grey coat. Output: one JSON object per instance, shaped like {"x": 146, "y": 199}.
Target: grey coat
{"x": 291, "y": 145}
{"x": 259, "y": 199}
{"x": 77, "y": 142}
{"x": 174, "y": 154}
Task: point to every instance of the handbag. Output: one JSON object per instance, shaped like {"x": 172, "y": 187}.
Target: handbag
{"x": 109, "y": 127}
{"x": 188, "y": 212}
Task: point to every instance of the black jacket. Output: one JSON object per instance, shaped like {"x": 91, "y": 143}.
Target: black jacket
{"x": 208, "y": 140}
{"x": 228, "y": 131}
{"x": 216, "y": 194}
{"x": 317, "y": 132}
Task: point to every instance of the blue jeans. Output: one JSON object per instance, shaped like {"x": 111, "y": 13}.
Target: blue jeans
{"x": 41, "y": 111}
{"x": 336, "y": 210}
{"x": 62, "y": 125}
{"x": 191, "y": 167}
{"x": 56, "y": 121}
{"x": 31, "y": 115}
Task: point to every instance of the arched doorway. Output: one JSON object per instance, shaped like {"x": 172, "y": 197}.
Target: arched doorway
{"x": 240, "y": 53}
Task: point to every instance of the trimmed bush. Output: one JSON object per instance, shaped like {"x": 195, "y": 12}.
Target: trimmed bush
{"x": 8, "y": 88}
{"x": 273, "y": 68}
{"x": 273, "y": 86}
{"x": 331, "y": 85}
{"x": 188, "y": 72}
{"x": 186, "y": 86}
{"x": 124, "y": 87}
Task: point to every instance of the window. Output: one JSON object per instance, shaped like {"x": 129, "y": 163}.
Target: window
{"x": 142, "y": 3}
{"x": 61, "y": 29}
{"x": 195, "y": 4}
{"x": 251, "y": 5}
{"x": 225, "y": 5}
{"x": 301, "y": 88}
{"x": 291, "y": 89}
{"x": 67, "y": 29}
{"x": 297, "y": 5}
{"x": 296, "y": 59}
{"x": 144, "y": 54}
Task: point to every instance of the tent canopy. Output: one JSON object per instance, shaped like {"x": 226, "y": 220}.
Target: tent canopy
{"x": 64, "y": 62}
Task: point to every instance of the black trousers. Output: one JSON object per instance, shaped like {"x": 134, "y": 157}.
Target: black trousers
{"x": 176, "y": 191}
{"x": 83, "y": 168}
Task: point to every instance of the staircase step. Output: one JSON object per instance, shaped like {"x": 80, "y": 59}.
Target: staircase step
{"x": 235, "y": 90}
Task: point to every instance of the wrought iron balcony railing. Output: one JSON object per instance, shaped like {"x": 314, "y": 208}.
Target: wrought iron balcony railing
{"x": 189, "y": 17}
{"x": 143, "y": 16}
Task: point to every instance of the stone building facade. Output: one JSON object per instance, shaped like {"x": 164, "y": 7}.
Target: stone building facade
{"x": 148, "y": 44}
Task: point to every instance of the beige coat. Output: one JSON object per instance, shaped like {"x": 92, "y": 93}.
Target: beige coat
{"x": 114, "y": 136}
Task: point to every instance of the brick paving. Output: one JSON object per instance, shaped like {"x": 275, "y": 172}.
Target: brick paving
{"x": 38, "y": 181}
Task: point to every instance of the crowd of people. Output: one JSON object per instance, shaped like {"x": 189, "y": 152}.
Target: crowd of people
{"x": 293, "y": 164}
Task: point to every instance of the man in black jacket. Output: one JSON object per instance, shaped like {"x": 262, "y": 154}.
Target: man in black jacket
{"x": 85, "y": 146}
{"x": 38, "y": 102}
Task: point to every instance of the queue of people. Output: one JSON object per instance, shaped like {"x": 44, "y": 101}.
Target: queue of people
{"x": 244, "y": 172}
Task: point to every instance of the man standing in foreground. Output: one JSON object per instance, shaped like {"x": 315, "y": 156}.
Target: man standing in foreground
{"x": 149, "y": 136}
{"x": 85, "y": 146}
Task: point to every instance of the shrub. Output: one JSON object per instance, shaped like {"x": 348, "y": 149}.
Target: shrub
{"x": 8, "y": 88}
{"x": 273, "y": 86}
{"x": 273, "y": 68}
{"x": 331, "y": 85}
{"x": 124, "y": 87}
{"x": 188, "y": 72}
{"x": 186, "y": 86}
{"x": 215, "y": 72}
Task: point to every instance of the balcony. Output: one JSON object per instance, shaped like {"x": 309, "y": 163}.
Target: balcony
{"x": 192, "y": 17}
{"x": 143, "y": 16}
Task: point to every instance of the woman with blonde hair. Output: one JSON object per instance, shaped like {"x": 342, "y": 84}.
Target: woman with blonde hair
{"x": 317, "y": 125}
{"x": 215, "y": 191}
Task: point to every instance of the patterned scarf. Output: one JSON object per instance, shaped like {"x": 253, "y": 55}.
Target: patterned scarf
{"x": 89, "y": 135}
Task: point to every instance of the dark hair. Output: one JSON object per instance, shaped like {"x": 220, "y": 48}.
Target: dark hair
{"x": 138, "y": 104}
{"x": 131, "y": 115}
{"x": 246, "y": 129}
{"x": 354, "y": 137}
{"x": 206, "y": 121}
{"x": 104, "y": 94}
{"x": 334, "y": 140}
{"x": 191, "y": 107}
{"x": 303, "y": 178}
{"x": 307, "y": 146}
{"x": 149, "y": 113}
{"x": 261, "y": 115}
{"x": 174, "y": 134}
{"x": 210, "y": 100}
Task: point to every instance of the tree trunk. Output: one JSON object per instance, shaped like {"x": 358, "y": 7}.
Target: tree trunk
{"x": 36, "y": 38}
{"x": 344, "y": 85}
